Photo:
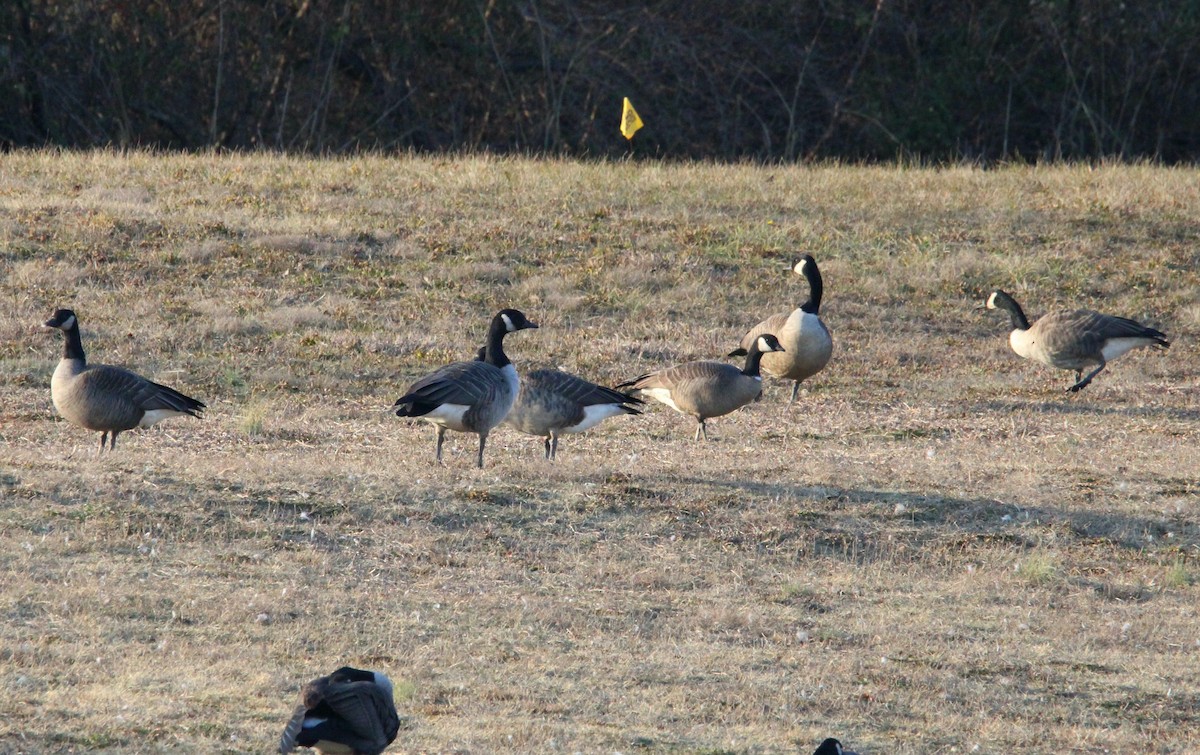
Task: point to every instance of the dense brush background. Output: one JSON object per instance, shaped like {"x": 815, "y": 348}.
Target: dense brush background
{"x": 768, "y": 80}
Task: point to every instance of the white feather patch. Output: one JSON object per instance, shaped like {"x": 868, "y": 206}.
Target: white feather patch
{"x": 594, "y": 415}
{"x": 663, "y": 396}
{"x": 449, "y": 416}
{"x": 508, "y": 323}
{"x": 991, "y": 302}
{"x": 1115, "y": 347}
{"x": 69, "y": 323}
{"x": 799, "y": 268}
{"x": 158, "y": 415}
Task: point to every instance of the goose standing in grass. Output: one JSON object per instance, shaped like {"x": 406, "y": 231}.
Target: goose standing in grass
{"x": 107, "y": 399}
{"x": 807, "y": 342}
{"x": 1074, "y": 339}
{"x": 469, "y": 397}
{"x": 832, "y": 747}
{"x": 553, "y": 402}
{"x": 349, "y": 711}
{"x": 707, "y": 389}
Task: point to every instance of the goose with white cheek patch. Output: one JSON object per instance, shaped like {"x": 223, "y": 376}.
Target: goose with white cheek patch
{"x": 349, "y": 711}
{"x": 1074, "y": 339}
{"x": 108, "y": 399}
{"x": 707, "y": 389}
{"x": 832, "y": 747}
{"x": 469, "y": 397}
{"x": 805, "y": 338}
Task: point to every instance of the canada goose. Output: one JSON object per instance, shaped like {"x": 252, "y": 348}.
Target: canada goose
{"x": 469, "y": 397}
{"x": 806, "y": 339}
{"x": 1073, "y": 340}
{"x": 832, "y": 747}
{"x": 105, "y": 398}
{"x": 349, "y": 711}
{"x": 707, "y": 389}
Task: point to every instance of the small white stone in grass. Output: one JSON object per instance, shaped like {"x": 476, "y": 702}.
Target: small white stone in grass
{"x": 1126, "y": 627}
{"x": 263, "y": 618}
{"x": 802, "y": 636}
{"x": 899, "y": 508}
{"x": 930, "y": 453}
{"x": 1006, "y": 518}
{"x": 305, "y": 516}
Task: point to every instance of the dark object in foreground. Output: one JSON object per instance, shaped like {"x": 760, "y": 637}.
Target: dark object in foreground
{"x": 349, "y": 711}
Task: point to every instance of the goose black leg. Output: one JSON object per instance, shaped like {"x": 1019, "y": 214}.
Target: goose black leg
{"x": 1079, "y": 386}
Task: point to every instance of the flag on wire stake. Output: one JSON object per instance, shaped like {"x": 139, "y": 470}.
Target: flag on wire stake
{"x": 630, "y": 122}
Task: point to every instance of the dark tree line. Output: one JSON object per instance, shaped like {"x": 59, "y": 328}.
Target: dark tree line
{"x": 760, "y": 79}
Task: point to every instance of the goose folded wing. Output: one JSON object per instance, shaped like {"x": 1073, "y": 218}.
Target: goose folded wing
{"x": 577, "y": 389}
{"x": 369, "y": 713}
{"x": 457, "y": 383}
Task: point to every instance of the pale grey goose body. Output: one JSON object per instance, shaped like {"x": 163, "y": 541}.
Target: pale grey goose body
{"x": 349, "y": 711}
{"x": 469, "y": 397}
{"x": 1074, "y": 339}
{"x": 108, "y": 399}
{"x": 707, "y": 389}
{"x": 553, "y": 403}
{"x": 806, "y": 340}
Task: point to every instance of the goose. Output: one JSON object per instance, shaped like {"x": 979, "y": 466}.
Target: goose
{"x": 1074, "y": 340}
{"x": 707, "y": 389}
{"x": 801, "y": 332}
{"x": 553, "y": 402}
{"x": 832, "y": 747}
{"x": 108, "y": 399}
{"x": 469, "y": 397}
{"x": 349, "y": 711}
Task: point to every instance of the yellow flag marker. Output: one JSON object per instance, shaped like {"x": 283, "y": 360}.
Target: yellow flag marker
{"x": 630, "y": 122}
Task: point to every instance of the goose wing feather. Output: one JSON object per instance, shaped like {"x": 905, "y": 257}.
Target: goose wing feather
{"x": 1083, "y": 332}
{"x": 287, "y": 742}
{"x": 576, "y": 389}
{"x": 458, "y": 383}
{"x": 369, "y": 712}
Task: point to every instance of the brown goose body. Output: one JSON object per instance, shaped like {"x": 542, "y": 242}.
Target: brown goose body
{"x": 706, "y": 389}
{"x": 351, "y": 711}
{"x": 806, "y": 340}
{"x": 1074, "y": 339}
{"x": 105, "y": 398}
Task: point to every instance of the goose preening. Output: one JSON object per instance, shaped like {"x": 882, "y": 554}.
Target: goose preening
{"x": 349, "y": 711}
{"x": 707, "y": 389}
{"x": 108, "y": 399}
{"x": 552, "y": 403}
{"x": 469, "y": 397}
{"x": 806, "y": 341}
{"x": 1074, "y": 339}
{"x": 832, "y": 747}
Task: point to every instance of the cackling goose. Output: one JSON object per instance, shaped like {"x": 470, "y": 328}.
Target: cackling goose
{"x": 108, "y": 399}
{"x": 707, "y": 389}
{"x": 349, "y": 711}
{"x": 469, "y": 397}
{"x": 551, "y": 403}
{"x": 801, "y": 332}
{"x": 1074, "y": 340}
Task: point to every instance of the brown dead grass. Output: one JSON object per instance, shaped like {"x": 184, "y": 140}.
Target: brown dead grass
{"x": 937, "y": 551}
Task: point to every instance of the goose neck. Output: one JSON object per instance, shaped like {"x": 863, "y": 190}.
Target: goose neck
{"x": 753, "y": 362}
{"x": 816, "y": 289}
{"x": 73, "y": 344}
{"x": 494, "y": 349}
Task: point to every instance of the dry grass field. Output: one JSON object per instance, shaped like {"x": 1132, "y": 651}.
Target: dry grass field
{"x": 937, "y": 551}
